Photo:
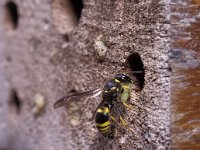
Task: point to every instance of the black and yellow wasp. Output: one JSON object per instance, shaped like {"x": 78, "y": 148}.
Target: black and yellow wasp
{"x": 116, "y": 90}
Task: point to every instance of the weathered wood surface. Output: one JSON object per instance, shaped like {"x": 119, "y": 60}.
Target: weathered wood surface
{"x": 185, "y": 80}
{"x": 39, "y": 59}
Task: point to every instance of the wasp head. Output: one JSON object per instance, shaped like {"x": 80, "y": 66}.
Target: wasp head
{"x": 123, "y": 78}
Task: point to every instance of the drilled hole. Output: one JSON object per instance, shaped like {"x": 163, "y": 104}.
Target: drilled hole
{"x": 65, "y": 37}
{"x": 11, "y": 16}
{"x": 14, "y": 102}
{"x": 77, "y": 7}
{"x": 137, "y": 68}
{"x": 73, "y": 91}
{"x": 66, "y": 14}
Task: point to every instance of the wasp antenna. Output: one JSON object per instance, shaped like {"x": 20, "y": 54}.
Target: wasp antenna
{"x": 138, "y": 71}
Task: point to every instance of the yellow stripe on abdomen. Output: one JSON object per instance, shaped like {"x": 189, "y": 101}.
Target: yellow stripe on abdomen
{"x": 104, "y": 129}
{"x": 103, "y": 124}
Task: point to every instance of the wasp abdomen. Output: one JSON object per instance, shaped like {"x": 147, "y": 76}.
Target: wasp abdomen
{"x": 102, "y": 120}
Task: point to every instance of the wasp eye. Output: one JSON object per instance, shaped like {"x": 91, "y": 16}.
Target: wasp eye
{"x": 123, "y": 78}
{"x": 122, "y": 91}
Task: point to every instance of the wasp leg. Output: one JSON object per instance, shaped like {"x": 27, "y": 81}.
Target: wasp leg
{"x": 131, "y": 107}
{"x": 126, "y": 102}
{"x": 123, "y": 121}
{"x": 114, "y": 120}
{"x": 124, "y": 124}
{"x": 127, "y": 105}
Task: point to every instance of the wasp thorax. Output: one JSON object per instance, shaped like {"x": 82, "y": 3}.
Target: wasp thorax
{"x": 111, "y": 90}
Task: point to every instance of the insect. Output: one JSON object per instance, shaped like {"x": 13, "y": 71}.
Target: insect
{"x": 116, "y": 90}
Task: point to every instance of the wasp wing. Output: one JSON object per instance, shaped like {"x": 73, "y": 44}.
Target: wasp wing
{"x": 67, "y": 99}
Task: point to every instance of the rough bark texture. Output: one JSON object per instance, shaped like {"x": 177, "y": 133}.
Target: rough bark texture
{"x": 37, "y": 59}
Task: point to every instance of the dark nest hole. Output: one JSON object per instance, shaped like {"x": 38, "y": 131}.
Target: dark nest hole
{"x": 77, "y": 7}
{"x": 66, "y": 15}
{"x": 137, "y": 68}
{"x": 14, "y": 102}
{"x": 11, "y": 14}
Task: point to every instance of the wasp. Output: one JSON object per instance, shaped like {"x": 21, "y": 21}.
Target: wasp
{"x": 115, "y": 90}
